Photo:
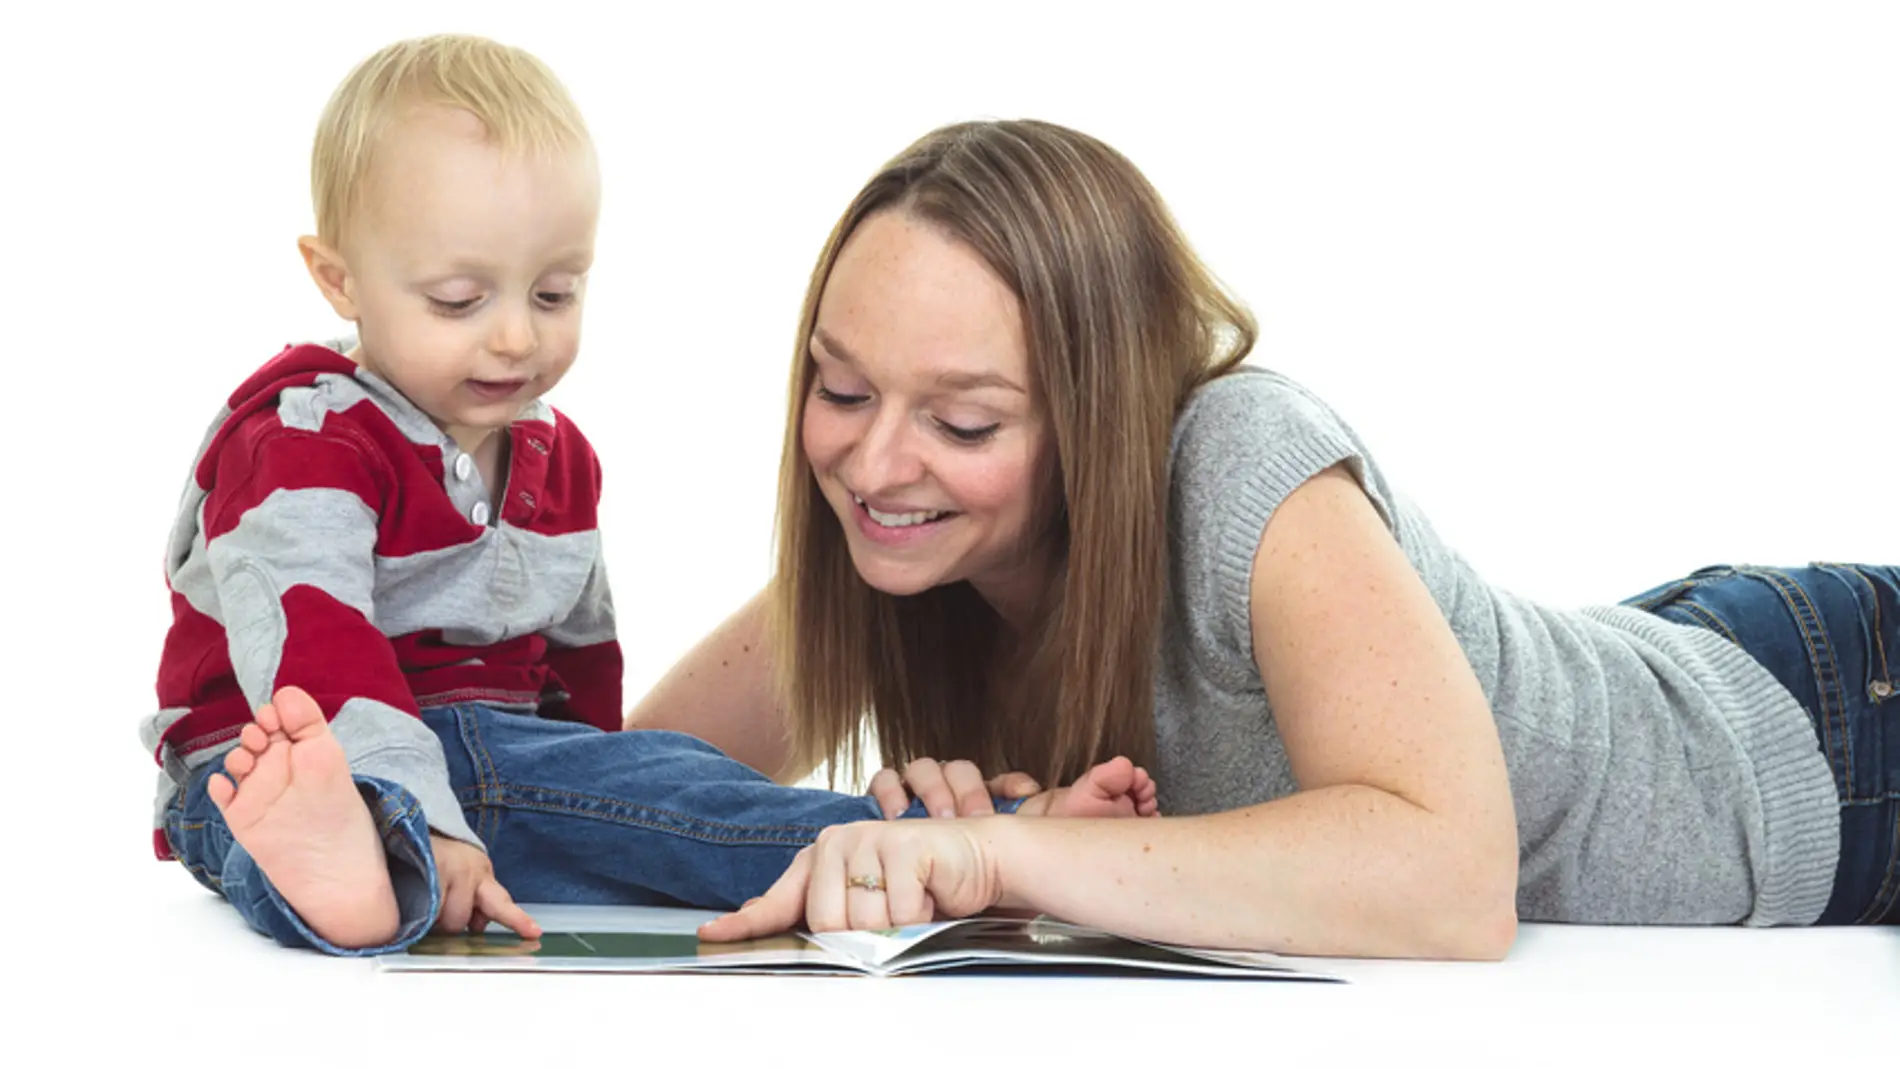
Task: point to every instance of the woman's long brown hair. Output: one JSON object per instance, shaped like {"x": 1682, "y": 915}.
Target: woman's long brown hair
{"x": 1122, "y": 322}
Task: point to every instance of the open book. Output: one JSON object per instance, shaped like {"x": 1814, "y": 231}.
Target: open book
{"x": 650, "y": 939}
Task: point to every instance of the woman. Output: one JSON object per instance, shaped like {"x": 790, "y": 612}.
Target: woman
{"x": 1035, "y": 512}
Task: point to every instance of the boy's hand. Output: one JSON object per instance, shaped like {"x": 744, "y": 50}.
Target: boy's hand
{"x": 470, "y": 895}
{"x": 947, "y": 788}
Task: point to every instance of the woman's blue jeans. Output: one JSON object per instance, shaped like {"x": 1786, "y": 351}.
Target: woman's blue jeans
{"x": 1831, "y": 634}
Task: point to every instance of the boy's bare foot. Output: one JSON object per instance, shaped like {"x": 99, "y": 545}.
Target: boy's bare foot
{"x": 1114, "y": 788}
{"x": 297, "y": 811}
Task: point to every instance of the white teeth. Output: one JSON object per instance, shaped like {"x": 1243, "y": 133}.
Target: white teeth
{"x": 898, "y": 519}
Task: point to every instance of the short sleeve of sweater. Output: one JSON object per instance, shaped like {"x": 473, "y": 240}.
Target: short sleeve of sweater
{"x": 1242, "y": 444}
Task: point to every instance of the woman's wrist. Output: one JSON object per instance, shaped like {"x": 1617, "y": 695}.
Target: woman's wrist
{"x": 1007, "y": 849}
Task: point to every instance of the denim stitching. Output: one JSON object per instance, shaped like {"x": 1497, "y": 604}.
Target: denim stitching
{"x": 1709, "y": 619}
{"x": 487, "y": 786}
{"x": 202, "y": 873}
{"x": 1880, "y": 642}
{"x": 174, "y": 828}
{"x": 1814, "y": 636}
{"x": 1664, "y": 596}
{"x": 476, "y": 794}
{"x": 386, "y": 822}
{"x": 1877, "y": 647}
{"x": 1826, "y": 644}
{"x": 787, "y": 835}
{"x": 199, "y": 872}
{"x": 604, "y": 809}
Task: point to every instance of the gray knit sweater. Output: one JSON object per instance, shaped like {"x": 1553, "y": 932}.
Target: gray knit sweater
{"x": 1661, "y": 775}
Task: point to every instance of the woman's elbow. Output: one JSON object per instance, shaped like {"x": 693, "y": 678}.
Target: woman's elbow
{"x": 1480, "y": 916}
{"x": 1488, "y": 934}
{"x": 1463, "y": 931}
{"x": 1471, "y": 912}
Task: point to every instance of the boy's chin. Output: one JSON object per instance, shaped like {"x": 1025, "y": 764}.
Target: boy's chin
{"x": 484, "y": 419}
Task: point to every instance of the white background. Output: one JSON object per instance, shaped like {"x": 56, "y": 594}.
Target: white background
{"x": 1612, "y": 289}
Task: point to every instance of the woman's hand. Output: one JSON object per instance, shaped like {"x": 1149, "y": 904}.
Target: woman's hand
{"x": 870, "y": 875}
{"x": 947, "y": 789}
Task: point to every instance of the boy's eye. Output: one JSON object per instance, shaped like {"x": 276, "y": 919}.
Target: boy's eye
{"x": 555, "y": 299}
{"x": 452, "y": 307}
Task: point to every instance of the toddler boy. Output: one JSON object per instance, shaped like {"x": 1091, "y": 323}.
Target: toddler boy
{"x": 393, "y": 670}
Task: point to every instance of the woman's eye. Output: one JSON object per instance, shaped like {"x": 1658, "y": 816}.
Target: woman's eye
{"x": 843, "y": 399}
{"x": 968, "y": 434}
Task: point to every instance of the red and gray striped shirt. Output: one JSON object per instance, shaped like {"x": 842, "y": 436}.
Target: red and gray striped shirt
{"x": 333, "y": 538}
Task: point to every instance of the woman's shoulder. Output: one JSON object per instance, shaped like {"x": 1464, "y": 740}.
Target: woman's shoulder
{"x": 1252, "y": 406}
{"x": 1259, "y": 432}
{"x": 1243, "y": 442}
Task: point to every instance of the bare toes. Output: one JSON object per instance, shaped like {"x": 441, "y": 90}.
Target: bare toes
{"x": 1113, "y": 777}
{"x": 220, "y": 790}
{"x": 240, "y": 762}
{"x": 268, "y": 719}
{"x": 299, "y": 713}
{"x": 275, "y": 763}
{"x": 254, "y": 738}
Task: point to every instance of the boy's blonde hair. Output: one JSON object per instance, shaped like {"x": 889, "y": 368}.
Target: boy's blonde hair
{"x": 517, "y": 98}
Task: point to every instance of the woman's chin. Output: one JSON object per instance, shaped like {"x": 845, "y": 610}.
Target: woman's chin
{"x": 899, "y": 581}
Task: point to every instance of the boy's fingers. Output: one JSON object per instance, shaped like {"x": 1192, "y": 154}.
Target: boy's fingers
{"x": 887, "y": 788}
{"x": 458, "y": 902}
{"x": 494, "y": 901}
{"x": 925, "y": 779}
{"x": 967, "y": 787}
{"x": 1014, "y": 785}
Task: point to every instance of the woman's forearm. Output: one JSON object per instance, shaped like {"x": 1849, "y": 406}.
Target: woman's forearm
{"x": 1346, "y": 871}
{"x": 722, "y": 691}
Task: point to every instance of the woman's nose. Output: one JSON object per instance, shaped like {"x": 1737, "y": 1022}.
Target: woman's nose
{"x": 886, "y": 458}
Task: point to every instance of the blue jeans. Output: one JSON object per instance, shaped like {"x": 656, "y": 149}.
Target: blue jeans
{"x": 569, "y": 814}
{"x": 1831, "y": 634}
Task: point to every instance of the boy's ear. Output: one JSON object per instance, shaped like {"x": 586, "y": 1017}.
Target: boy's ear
{"x": 331, "y": 275}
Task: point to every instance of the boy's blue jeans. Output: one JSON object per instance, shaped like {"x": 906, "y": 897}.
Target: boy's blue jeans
{"x": 569, "y": 814}
{"x": 1831, "y": 634}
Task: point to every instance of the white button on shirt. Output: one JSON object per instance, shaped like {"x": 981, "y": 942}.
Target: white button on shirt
{"x": 479, "y": 513}
{"x": 464, "y": 467}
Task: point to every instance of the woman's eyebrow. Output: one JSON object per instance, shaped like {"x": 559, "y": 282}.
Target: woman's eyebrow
{"x": 949, "y": 380}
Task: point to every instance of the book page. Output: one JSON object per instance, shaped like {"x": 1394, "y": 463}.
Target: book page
{"x": 612, "y": 939}
{"x": 876, "y": 948}
{"x": 1043, "y": 941}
